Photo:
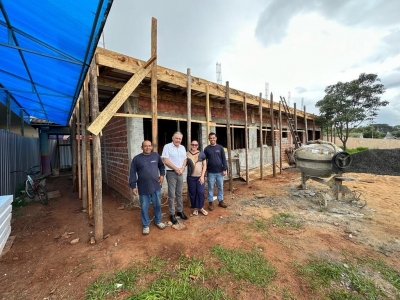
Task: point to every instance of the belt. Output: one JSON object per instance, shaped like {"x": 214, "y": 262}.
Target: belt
{"x": 170, "y": 170}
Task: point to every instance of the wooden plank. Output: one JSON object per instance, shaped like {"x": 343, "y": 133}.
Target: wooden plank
{"x": 105, "y": 116}
{"x": 246, "y": 139}
{"x": 305, "y": 126}
{"x": 97, "y": 175}
{"x": 228, "y": 135}
{"x": 154, "y": 120}
{"x": 88, "y": 156}
{"x": 280, "y": 139}
{"x": 84, "y": 145}
{"x": 272, "y": 135}
{"x": 79, "y": 154}
{"x": 189, "y": 110}
{"x": 261, "y": 139}
{"x": 208, "y": 112}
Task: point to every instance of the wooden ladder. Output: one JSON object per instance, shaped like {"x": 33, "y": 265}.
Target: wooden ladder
{"x": 290, "y": 119}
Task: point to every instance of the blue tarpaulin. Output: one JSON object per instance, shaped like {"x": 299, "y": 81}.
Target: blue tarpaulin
{"x": 46, "y": 47}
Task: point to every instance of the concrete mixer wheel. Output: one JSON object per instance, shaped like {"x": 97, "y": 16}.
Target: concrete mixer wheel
{"x": 342, "y": 160}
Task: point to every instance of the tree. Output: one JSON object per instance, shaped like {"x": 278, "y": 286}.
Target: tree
{"x": 348, "y": 104}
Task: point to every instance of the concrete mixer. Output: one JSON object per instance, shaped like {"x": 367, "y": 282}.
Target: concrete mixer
{"x": 319, "y": 159}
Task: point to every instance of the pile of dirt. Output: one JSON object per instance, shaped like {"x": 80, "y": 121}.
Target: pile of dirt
{"x": 376, "y": 161}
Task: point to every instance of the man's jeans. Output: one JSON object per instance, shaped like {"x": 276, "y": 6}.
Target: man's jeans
{"x": 175, "y": 185}
{"x": 211, "y": 179}
{"x": 145, "y": 201}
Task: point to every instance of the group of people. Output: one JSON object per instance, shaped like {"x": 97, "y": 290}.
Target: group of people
{"x": 148, "y": 170}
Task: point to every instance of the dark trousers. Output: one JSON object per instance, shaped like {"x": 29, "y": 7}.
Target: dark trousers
{"x": 196, "y": 192}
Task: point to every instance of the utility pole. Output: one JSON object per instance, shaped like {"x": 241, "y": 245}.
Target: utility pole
{"x": 219, "y": 75}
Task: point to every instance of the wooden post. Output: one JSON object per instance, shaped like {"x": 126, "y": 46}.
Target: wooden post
{"x": 261, "y": 141}
{"x": 246, "y": 138}
{"x": 305, "y": 126}
{"x": 208, "y": 113}
{"x": 21, "y": 115}
{"x": 272, "y": 135}
{"x": 74, "y": 150}
{"x": 189, "y": 109}
{"x": 280, "y": 139}
{"x": 79, "y": 154}
{"x": 295, "y": 117}
{"x": 97, "y": 176}
{"x": 313, "y": 128}
{"x": 154, "y": 116}
{"x": 8, "y": 112}
{"x": 88, "y": 152}
{"x": 233, "y": 138}
{"x": 228, "y": 133}
{"x": 84, "y": 146}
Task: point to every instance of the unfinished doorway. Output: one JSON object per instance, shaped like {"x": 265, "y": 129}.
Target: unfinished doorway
{"x": 167, "y": 128}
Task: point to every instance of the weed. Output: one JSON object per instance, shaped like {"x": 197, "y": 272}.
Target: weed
{"x": 358, "y": 149}
{"x": 285, "y": 219}
{"x": 110, "y": 284}
{"x": 156, "y": 265}
{"x": 389, "y": 274}
{"x": 258, "y": 225}
{"x": 321, "y": 273}
{"x": 248, "y": 266}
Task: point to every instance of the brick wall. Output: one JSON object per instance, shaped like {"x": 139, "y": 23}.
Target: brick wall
{"x": 115, "y": 161}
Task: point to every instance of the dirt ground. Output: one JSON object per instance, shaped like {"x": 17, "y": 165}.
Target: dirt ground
{"x": 42, "y": 264}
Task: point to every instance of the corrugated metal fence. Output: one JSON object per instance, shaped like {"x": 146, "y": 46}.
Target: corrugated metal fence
{"x": 16, "y": 153}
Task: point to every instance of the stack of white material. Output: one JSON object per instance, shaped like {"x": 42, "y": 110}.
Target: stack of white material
{"x": 5, "y": 219}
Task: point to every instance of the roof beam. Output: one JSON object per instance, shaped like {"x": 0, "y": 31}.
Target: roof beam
{"x": 105, "y": 116}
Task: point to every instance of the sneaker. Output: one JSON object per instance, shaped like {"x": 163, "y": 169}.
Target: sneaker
{"x": 146, "y": 230}
{"x": 161, "y": 225}
{"x": 222, "y": 204}
{"x": 210, "y": 206}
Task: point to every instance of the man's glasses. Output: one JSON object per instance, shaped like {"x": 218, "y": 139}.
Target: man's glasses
{"x": 194, "y": 144}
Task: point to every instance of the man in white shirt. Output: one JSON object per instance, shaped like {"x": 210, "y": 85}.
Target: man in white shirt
{"x": 174, "y": 158}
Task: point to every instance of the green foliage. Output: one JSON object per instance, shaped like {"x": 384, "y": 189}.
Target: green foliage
{"x": 284, "y": 220}
{"x": 110, "y": 284}
{"x": 389, "y": 274}
{"x": 322, "y": 273}
{"x": 243, "y": 265}
{"x": 356, "y": 150}
{"x": 347, "y": 105}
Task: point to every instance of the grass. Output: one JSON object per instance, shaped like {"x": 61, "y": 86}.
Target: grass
{"x": 284, "y": 220}
{"x": 249, "y": 266}
{"x": 258, "y": 224}
{"x": 107, "y": 285}
{"x": 356, "y": 150}
{"x": 388, "y": 273}
{"x": 338, "y": 281}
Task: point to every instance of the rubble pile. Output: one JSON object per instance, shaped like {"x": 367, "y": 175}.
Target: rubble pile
{"x": 376, "y": 161}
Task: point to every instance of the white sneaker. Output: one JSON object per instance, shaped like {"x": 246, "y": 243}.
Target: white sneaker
{"x": 161, "y": 225}
{"x": 146, "y": 230}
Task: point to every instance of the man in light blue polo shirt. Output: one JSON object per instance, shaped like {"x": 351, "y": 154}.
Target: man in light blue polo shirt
{"x": 174, "y": 158}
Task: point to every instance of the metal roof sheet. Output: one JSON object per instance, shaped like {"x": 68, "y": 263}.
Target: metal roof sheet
{"x": 45, "y": 51}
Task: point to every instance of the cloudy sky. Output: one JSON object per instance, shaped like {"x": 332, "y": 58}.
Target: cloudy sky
{"x": 295, "y": 46}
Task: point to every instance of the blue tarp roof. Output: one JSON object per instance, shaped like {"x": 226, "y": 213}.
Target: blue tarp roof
{"x": 45, "y": 51}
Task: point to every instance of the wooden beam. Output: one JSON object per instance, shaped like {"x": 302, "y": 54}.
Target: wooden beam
{"x": 74, "y": 150}
{"x": 305, "y": 126}
{"x": 208, "y": 112}
{"x": 84, "y": 145}
{"x": 88, "y": 156}
{"x": 154, "y": 121}
{"x": 21, "y": 115}
{"x": 98, "y": 193}
{"x": 228, "y": 136}
{"x": 189, "y": 109}
{"x": 280, "y": 139}
{"x": 103, "y": 118}
{"x": 272, "y": 135}
{"x": 246, "y": 139}
{"x": 261, "y": 140}
{"x": 79, "y": 154}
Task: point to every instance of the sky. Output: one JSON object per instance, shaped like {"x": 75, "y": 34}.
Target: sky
{"x": 297, "y": 47}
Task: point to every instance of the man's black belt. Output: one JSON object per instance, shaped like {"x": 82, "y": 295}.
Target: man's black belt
{"x": 170, "y": 170}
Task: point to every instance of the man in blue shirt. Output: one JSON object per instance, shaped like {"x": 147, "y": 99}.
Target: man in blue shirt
{"x": 145, "y": 178}
{"x": 216, "y": 170}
